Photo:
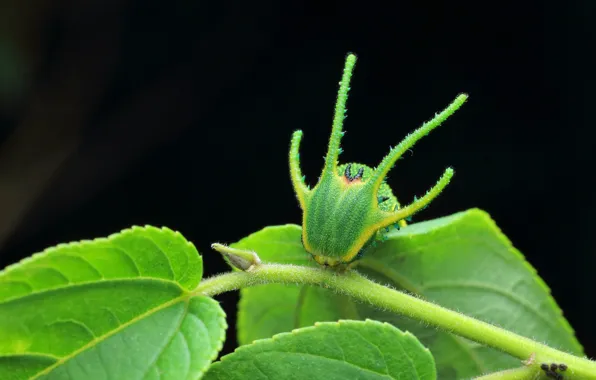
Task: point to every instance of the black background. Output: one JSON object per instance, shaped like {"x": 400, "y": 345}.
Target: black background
{"x": 180, "y": 113}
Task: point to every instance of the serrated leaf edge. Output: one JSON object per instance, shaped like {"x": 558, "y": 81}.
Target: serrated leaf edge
{"x": 550, "y": 299}
{"x": 492, "y": 225}
{"x": 85, "y": 242}
{"x": 79, "y": 243}
{"x": 337, "y": 325}
{"x": 184, "y": 298}
{"x": 222, "y": 337}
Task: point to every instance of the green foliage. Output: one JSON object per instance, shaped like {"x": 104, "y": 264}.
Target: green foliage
{"x": 331, "y": 351}
{"x": 462, "y": 262}
{"x": 132, "y": 306}
{"x": 115, "y": 308}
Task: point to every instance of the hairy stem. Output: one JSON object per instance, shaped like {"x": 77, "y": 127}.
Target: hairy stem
{"x": 522, "y": 373}
{"x": 360, "y": 288}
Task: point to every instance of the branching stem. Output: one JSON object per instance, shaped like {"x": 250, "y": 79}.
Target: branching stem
{"x": 360, "y": 288}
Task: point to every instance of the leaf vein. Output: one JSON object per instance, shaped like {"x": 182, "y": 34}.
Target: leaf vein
{"x": 91, "y": 344}
{"x": 511, "y": 296}
{"x": 168, "y": 340}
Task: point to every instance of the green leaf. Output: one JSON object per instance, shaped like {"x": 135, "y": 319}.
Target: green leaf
{"x": 462, "y": 262}
{"x": 334, "y": 351}
{"x": 112, "y": 308}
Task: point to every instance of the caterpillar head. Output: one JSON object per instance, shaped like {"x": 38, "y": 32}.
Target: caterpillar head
{"x": 351, "y": 203}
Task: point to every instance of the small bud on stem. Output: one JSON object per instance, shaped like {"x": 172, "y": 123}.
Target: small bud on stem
{"x": 238, "y": 258}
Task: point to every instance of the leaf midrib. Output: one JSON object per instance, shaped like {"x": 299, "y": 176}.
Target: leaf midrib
{"x": 184, "y": 297}
{"x": 168, "y": 341}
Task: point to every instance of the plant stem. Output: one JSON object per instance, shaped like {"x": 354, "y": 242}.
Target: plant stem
{"x": 522, "y": 373}
{"x": 358, "y": 287}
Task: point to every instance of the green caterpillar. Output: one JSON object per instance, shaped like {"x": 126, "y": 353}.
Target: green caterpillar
{"x": 351, "y": 205}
